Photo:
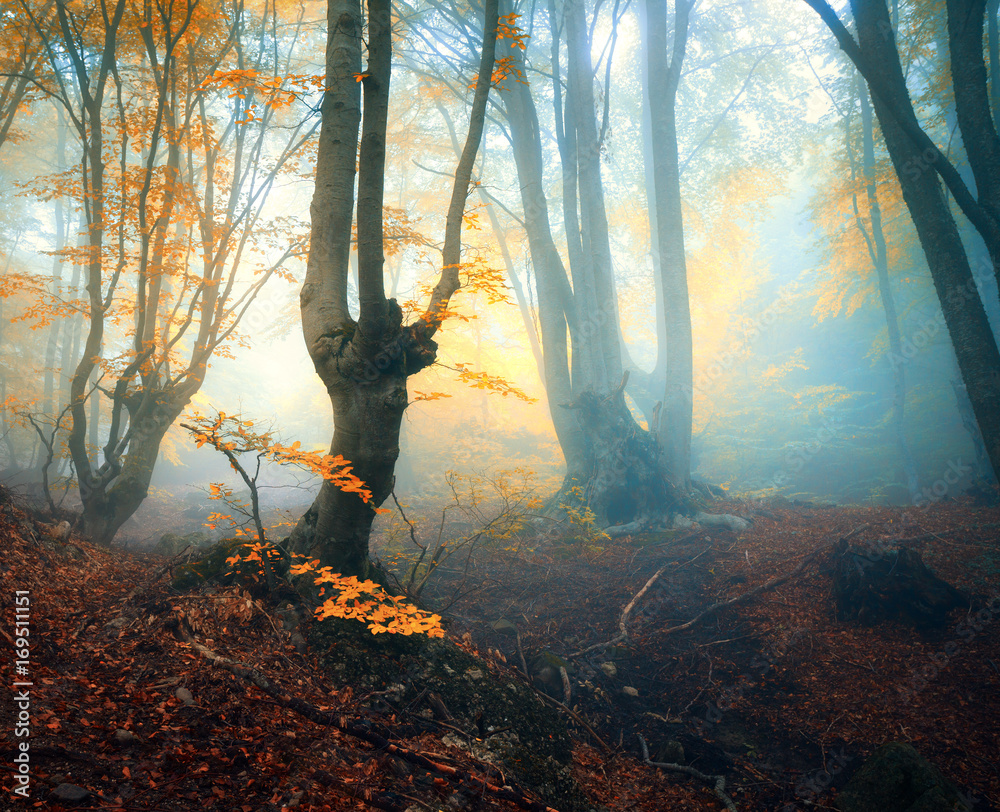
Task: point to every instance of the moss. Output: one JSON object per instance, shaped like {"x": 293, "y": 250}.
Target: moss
{"x": 527, "y": 736}
{"x": 896, "y": 778}
{"x": 213, "y": 567}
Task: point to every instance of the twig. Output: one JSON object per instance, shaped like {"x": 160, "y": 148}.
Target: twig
{"x": 575, "y": 717}
{"x": 520, "y": 654}
{"x": 717, "y": 782}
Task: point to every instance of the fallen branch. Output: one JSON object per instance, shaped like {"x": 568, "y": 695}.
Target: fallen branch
{"x": 622, "y": 635}
{"x": 717, "y": 782}
{"x": 359, "y": 731}
{"x": 777, "y": 581}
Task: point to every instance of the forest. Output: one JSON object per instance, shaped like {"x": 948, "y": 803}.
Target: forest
{"x": 451, "y": 405}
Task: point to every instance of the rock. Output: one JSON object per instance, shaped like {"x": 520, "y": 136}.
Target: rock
{"x": 545, "y": 671}
{"x": 504, "y": 626}
{"x": 125, "y": 737}
{"x": 671, "y": 753}
{"x": 184, "y": 695}
{"x": 628, "y": 690}
{"x": 289, "y": 617}
{"x": 300, "y": 643}
{"x": 609, "y": 669}
{"x": 474, "y": 674}
{"x": 725, "y": 520}
{"x": 70, "y": 793}
{"x": 896, "y": 778}
{"x": 172, "y": 544}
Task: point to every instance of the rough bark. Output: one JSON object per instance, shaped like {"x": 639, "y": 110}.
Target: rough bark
{"x": 628, "y": 483}
{"x": 972, "y": 109}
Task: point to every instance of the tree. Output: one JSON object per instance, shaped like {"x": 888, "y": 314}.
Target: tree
{"x": 365, "y": 363}
{"x": 919, "y": 163}
{"x": 674, "y": 423}
{"x": 171, "y": 108}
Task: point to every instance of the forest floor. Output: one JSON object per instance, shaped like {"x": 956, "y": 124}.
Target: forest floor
{"x": 773, "y": 692}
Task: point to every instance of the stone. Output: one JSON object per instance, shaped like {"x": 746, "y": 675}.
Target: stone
{"x": 125, "y": 737}
{"x": 896, "y": 778}
{"x": 628, "y": 690}
{"x": 609, "y": 669}
{"x": 504, "y": 626}
{"x": 172, "y": 544}
{"x": 184, "y": 695}
{"x": 70, "y": 793}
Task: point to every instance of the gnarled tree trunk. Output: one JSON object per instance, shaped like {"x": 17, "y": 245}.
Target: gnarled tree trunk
{"x": 365, "y": 364}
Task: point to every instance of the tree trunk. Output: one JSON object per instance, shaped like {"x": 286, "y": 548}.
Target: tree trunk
{"x": 115, "y": 490}
{"x": 972, "y": 109}
{"x": 628, "y": 486}
{"x": 674, "y": 430}
{"x": 556, "y": 305}
{"x": 365, "y": 366}
{"x": 975, "y": 349}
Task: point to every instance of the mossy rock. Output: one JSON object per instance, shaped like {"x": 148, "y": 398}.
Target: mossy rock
{"x": 896, "y": 778}
{"x": 516, "y": 727}
{"x": 213, "y": 567}
{"x": 172, "y": 544}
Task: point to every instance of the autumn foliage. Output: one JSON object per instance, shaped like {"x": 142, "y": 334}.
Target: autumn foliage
{"x": 352, "y": 599}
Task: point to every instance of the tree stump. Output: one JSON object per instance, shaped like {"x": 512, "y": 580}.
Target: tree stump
{"x": 871, "y": 586}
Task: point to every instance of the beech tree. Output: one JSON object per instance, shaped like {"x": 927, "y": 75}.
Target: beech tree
{"x": 364, "y": 363}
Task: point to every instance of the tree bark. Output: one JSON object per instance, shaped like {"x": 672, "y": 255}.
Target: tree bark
{"x": 365, "y": 366}
{"x": 556, "y": 305}
{"x": 972, "y": 109}
{"x": 674, "y": 430}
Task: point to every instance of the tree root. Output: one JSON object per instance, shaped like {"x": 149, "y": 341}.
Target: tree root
{"x": 717, "y": 782}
